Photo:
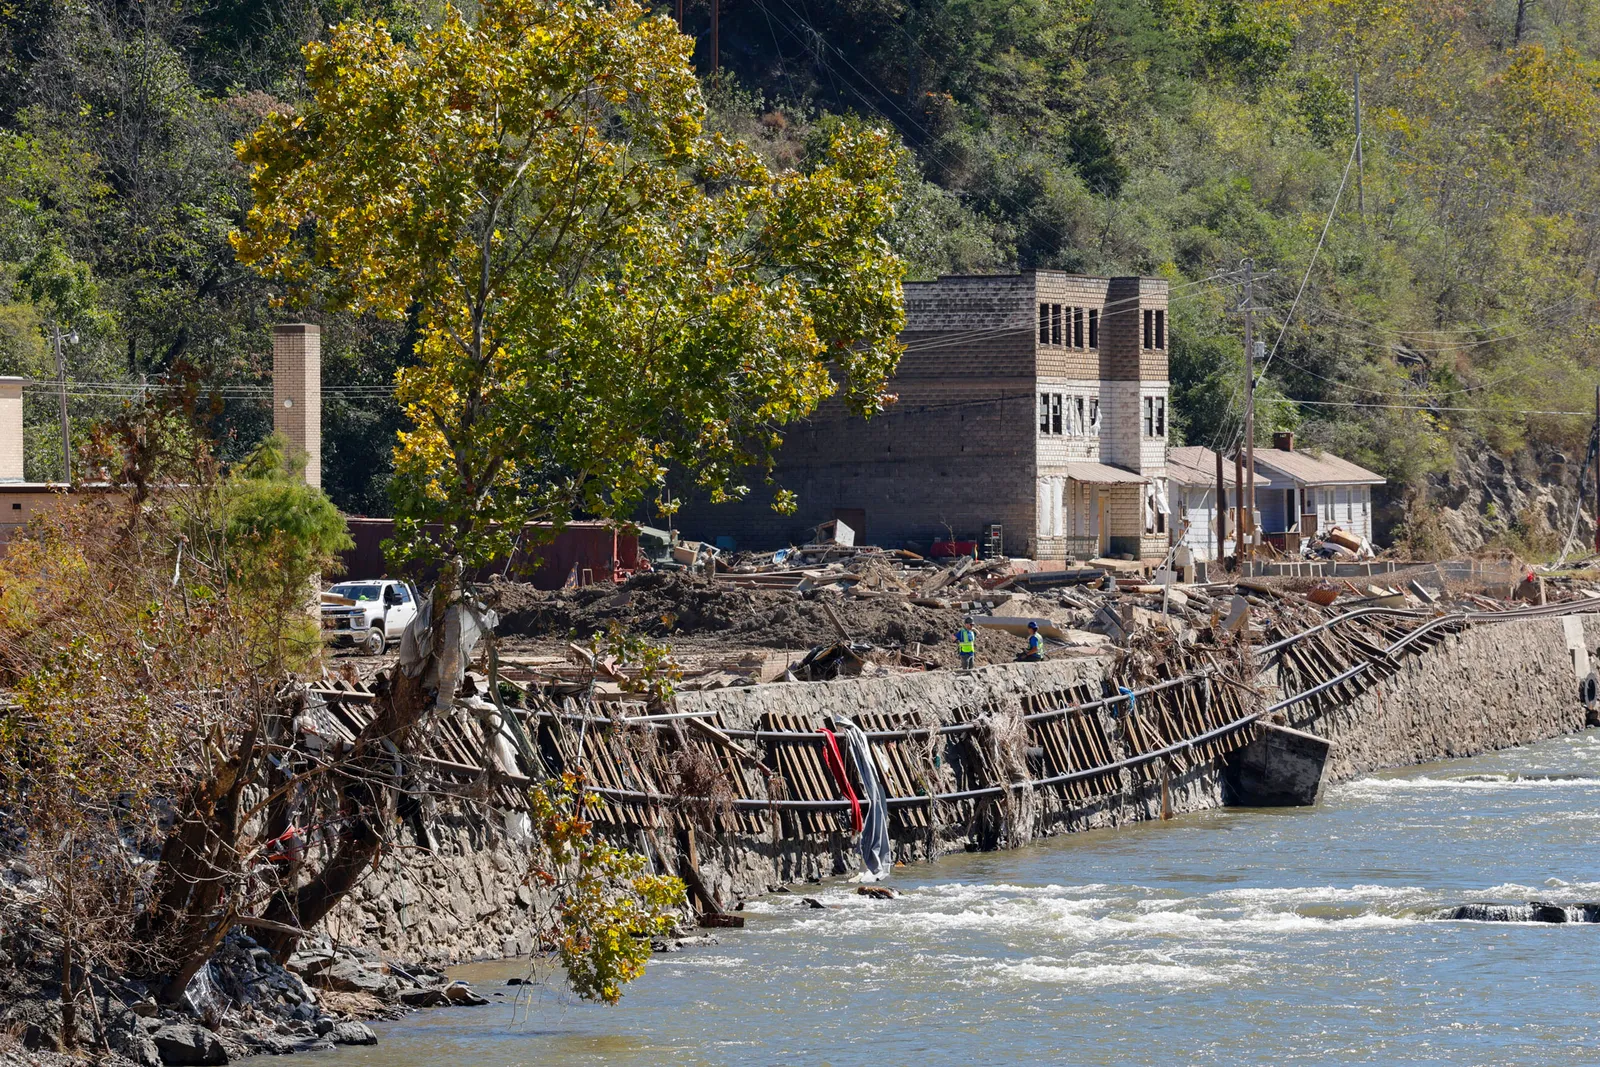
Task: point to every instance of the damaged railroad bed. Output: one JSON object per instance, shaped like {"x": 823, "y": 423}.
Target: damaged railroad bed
{"x": 741, "y": 789}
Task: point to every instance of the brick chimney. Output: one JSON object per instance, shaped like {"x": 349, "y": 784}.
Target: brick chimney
{"x": 297, "y": 391}
{"x": 11, "y": 429}
{"x": 1283, "y": 440}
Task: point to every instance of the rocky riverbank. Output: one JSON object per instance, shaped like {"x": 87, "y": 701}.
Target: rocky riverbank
{"x": 242, "y": 1003}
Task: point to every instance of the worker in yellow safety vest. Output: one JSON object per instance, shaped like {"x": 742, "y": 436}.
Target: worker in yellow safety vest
{"x": 967, "y": 644}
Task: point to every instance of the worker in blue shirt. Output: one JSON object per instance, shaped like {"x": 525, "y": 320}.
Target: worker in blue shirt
{"x": 1035, "y": 652}
{"x": 967, "y": 644}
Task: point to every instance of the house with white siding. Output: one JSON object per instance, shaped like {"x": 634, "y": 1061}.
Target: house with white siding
{"x": 1296, "y": 493}
{"x": 1312, "y": 492}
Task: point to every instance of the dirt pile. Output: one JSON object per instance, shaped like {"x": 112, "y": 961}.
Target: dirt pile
{"x": 677, "y": 604}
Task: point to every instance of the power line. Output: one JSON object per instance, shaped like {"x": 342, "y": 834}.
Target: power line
{"x": 1432, "y": 408}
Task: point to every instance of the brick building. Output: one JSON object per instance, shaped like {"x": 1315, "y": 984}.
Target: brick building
{"x": 1036, "y": 401}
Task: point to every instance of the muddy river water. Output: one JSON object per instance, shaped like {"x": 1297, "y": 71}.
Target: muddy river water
{"x": 1229, "y": 937}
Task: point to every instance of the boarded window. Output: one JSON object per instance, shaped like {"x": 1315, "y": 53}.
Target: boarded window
{"x": 1094, "y": 327}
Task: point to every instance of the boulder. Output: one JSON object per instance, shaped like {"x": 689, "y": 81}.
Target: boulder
{"x": 352, "y": 1033}
{"x": 424, "y": 998}
{"x": 462, "y": 994}
{"x": 127, "y": 1037}
{"x": 187, "y": 1045}
{"x": 351, "y": 976}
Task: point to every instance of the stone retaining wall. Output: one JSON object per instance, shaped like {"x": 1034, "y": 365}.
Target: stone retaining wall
{"x": 1493, "y": 686}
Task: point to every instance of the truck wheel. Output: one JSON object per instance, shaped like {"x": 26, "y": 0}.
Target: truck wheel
{"x": 374, "y": 643}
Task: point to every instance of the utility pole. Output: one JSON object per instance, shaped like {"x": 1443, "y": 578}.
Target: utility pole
{"x": 1361, "y": 193}
{"x": 680, "y": 17}
{"x": 1221, "y": 510}
{"x": 716, "y": 44}
{"x": 1596, "y": 452}
{"x": 1250, "y": 401}
{"x": 66, "y": 428}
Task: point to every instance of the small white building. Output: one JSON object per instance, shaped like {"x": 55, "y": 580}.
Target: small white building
{"x": 1312, "y": 492}
{"x": 1296, "y": 493}
{"x": 1192, "y": 477}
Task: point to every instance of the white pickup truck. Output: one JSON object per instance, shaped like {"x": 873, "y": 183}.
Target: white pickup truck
{"x": 367, "y": 615}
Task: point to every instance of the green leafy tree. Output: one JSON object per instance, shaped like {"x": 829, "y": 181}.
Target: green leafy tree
{"x": 601, "y": 289}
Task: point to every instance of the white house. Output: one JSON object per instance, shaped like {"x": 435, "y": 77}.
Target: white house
{"x": 1312, "y": 492}
{"x": 1296, "y": 492}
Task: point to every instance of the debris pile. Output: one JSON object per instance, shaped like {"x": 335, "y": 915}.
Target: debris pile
{"x": 831, "y": 609}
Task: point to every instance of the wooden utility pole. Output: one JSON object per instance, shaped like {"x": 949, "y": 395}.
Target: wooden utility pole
{"x": 681, "y": 28}
{"x": 1221, "y": 510}
{"x": 1238, "y": 504}
{"x": 716, "y": 43}
{"x": 1250, "y": 404}
{"x": 1361, "y": 193}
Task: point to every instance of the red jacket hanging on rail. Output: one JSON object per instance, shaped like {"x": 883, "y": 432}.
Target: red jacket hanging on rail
{"x": 835, "y": 762}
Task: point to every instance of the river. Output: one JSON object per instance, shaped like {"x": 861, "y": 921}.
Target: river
{"x": 1227, "y": 937}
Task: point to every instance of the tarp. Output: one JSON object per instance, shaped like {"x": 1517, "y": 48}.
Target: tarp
{"x": 876, "y": 855}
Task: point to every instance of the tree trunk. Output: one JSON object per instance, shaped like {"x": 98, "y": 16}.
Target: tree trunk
{"x": 373, "y": 793}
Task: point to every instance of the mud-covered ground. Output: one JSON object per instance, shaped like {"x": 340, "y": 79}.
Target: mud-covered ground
{"x": 696, "y": 614}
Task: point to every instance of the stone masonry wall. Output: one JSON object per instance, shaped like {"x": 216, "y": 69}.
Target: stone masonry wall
{"x": 1491, "y": 687}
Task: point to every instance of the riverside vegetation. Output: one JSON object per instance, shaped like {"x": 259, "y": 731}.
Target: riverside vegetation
{"x": 598, "y": 287}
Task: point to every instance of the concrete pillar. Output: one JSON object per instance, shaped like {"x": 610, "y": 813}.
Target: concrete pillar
{"x": 11, "y": 429}
{"x": 297, "y": 391}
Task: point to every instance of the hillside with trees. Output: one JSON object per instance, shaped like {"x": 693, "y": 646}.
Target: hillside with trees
{"x": 1430, "y": 302}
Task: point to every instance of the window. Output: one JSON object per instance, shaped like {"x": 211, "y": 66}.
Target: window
{"x": 1077, "y": 327}
{"x": 1149, "y": 328}
{"x": 1080, "y": 427}
{"x": 1050, "y": 413}
{"x": 1044, "y": 324}
{"x": 1094, "y": 414}
{"x": 1094, "y": 327}
{"x": 1155, "y": 416}
{"x": 1161, "y": 329}
{"x": 1055, "y": 324}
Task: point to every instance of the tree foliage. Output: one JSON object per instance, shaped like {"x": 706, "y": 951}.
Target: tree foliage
{"x": 602, "y": 290}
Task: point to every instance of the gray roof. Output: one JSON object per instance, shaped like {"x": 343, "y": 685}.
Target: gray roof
{"x": 1309, "y": 469}
{"x": 1196, "y": 465}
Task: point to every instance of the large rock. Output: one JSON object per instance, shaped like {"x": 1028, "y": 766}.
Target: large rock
{"x": 187, "y": 1045}
{"x": 128, "y": 1038}
{"x": 463, "y": 994}
{"x": 353, "y": 976}
{"x": 352, "y": 1033}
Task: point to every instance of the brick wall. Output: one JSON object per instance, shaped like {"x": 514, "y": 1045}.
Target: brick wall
{"x": 297, "y": 391}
